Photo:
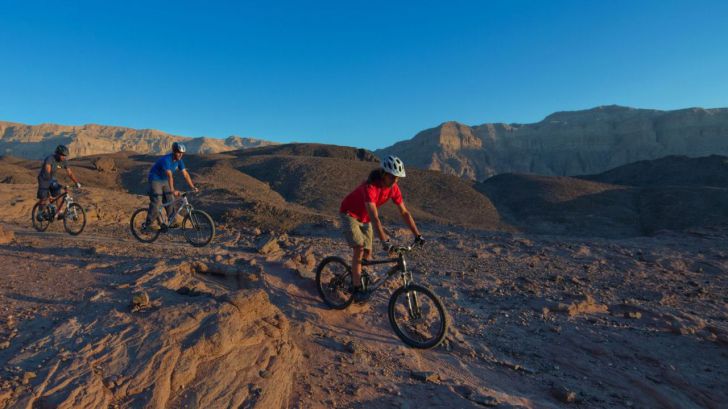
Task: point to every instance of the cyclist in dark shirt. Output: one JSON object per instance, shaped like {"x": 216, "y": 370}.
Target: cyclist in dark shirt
{"x": 48, "y": 186}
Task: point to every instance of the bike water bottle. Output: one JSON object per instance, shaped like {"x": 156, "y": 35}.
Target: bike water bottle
{"x": 51, "y": 211}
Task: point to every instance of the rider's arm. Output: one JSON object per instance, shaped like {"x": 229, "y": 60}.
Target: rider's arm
{"x": 374, "y": 216}
{"x": 47, "y": 173}
{"x": 407, "y": 217}
{"x": 170, "y": 180}
{"x": 188, "y": 179}
{"x": 71, "y": 175}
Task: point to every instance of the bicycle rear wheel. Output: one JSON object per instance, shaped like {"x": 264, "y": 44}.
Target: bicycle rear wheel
{"x": 417, "y": 316}
{"x": 139, "y": 229}
{"x": 74, "y": 220}
{"x": 40, "y": 217}
{"x": 333, "y": 281}
{"x": 198, "y": 228}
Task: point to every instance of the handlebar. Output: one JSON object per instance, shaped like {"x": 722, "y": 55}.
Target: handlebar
{"x": 407, "y": 249}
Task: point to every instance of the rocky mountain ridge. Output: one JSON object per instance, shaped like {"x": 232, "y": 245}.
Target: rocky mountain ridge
{"x": 566, "y": 143}
{"x": 36, "y": 141}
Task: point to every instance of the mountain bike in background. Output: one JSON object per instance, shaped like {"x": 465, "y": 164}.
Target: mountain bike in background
{"x": 416, "y": 314}
{"x": 74, "y": 217}
{"x": 197, "y": 226}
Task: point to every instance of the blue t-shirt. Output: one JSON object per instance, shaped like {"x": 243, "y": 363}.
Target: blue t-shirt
{"x": 162, "y": 165}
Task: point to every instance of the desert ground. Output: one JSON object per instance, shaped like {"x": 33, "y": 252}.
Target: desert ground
{"x": 537, "y": 321}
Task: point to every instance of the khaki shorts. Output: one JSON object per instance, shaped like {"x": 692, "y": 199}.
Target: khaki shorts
{"x": 357, "y": 234}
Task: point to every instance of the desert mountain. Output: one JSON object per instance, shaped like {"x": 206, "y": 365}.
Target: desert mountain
{"x": 671, "y": 193}
{"x": 567, "y": 143}
{"x": 36, "y": 141}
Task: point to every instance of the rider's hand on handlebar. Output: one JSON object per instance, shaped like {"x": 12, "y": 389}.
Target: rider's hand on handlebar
{"x": 419, "y": 240}
{"x": 176, "y": 193}
{"x": 195, "y": 189}
{"x": 78, "y": 185}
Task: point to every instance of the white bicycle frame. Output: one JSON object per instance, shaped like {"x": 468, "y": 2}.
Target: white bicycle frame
{"x": 181, "y": 203}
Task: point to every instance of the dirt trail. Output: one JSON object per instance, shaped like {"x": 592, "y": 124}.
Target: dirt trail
{"x": 536, "y": 322}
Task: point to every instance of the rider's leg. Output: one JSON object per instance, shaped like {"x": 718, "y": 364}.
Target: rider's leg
{"x": 352, "y": 229}
{"x": 155, "y": 200}
{"x": 356, "y": 266}
{"x": 55, "y": 191}
{"x": 168, "y": 197}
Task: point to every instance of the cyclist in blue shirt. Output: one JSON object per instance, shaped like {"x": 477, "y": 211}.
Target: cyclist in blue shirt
{"x": 161, "y": 181}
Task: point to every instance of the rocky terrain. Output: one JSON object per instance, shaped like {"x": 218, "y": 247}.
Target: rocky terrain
{"x": 36, "y": 141}
{"x": 537, "y": 322}
{"x": 557, "y": 297}
{"x": 566, "y": 143}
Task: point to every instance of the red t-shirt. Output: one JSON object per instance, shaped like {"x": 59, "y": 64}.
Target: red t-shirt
{"x": 354, "y": 204}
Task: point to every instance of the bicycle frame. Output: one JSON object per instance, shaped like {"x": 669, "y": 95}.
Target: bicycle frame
{"x": 182, "y": 204}
{"x": 400, "y": 267}
{"x": 62, "y": 199}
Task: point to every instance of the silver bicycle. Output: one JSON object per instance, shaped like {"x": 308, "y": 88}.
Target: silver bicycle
{"x": 197, "y": 226}
{"x": 74, "y": 217}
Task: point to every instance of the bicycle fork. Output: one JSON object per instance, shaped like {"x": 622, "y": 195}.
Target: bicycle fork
{"x": 413, "y": 306}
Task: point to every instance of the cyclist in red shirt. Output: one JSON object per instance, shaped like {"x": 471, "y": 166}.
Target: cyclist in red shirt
{"x": 358, "y": 212}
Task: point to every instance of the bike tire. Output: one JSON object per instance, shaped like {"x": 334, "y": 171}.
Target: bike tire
{"x": 39, "y": 225}
{"x": 193, "y": 222}
{"x": 68, "y": 215}
{"x": 140, "y": 216}
{"x": 420, "y": 291}
{"x": 336, "y": 264}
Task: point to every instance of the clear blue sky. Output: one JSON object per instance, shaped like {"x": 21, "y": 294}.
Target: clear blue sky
{"x": 361, "y": 73}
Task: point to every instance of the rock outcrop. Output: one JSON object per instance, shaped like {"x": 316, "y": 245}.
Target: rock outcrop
{"x": 36, "y": 141}
{"x": 567, "y": 143}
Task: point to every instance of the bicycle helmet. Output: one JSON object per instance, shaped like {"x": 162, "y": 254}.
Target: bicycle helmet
{"x": 394, "y": 166}
{"x": 62, "y": 150}
{"x": 179, "y": 147}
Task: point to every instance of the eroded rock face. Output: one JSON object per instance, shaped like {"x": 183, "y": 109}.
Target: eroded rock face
{"x": 566, "y": 143}
{"x": 183, "y": 352}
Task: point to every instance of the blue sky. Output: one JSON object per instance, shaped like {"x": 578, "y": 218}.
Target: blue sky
{"x": 360, "y": 73}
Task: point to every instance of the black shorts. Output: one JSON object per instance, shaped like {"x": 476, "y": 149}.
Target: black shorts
{"x": 45, "y": 189}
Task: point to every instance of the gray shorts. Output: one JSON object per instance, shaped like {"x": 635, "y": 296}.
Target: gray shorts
{"x": 357, "y": 234}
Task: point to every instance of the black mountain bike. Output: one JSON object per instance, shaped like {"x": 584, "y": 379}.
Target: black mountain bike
{"x": 416, "y": 314}
{"x": 74, "y": 217}
{"x": 197, "y": 226}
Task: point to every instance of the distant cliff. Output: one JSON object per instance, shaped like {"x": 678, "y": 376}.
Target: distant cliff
{"x": 566, "y": 143}
{"x": 35, "y": 141}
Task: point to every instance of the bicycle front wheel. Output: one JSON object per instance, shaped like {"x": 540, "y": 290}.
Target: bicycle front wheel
{"x": 139, "y": 228}
{"x": 74, "y": 220}
{"x": 333, "y": 281}
{"x": 41, "y": 218}
{"x": 198, "y": 228}
{"x": 417, "y": 316}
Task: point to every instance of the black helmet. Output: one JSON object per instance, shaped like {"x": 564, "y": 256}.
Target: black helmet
{"x": 179, "y": 147}
{"x": 62, "y": 150}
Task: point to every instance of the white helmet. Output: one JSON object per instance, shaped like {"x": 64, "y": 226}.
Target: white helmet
{"x": 394, "y": 166}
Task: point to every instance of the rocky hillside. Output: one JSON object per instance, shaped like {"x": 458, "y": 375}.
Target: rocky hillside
{"x": 567, "y": 143}
{"x": 36, "y": 141}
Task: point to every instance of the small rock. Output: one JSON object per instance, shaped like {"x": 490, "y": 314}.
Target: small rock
{"x": 633, "y": 314}
{"x": 6, "y": 236}
{"x": 352, "y": 347}
{"x": 27, "y": 376}
{"x": 105, "y": 164}
{"x": 265, "y": 373}
{"x": 4, "y": 345}
{"x": 425, "y": 376}
{"x": 140, "y": 300}
{"x": 564, "y": 395}
{"x": 268, "y": 244}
